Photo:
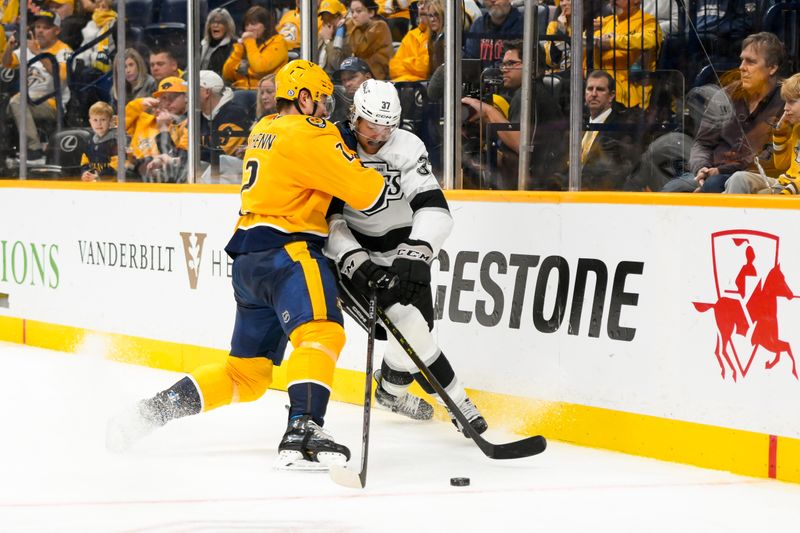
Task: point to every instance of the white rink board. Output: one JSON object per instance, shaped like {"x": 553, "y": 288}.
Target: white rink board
{"x": 668, "y": 368}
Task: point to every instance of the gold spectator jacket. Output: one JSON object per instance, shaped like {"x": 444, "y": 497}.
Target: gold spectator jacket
{"x": 411, "y": 61}
{"x": 262, "y": 60}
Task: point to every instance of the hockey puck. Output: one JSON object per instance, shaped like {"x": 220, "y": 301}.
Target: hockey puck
{"x": 459, "y": 481}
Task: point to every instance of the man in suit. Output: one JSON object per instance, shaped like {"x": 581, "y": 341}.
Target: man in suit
{"x": 608, "y": 145}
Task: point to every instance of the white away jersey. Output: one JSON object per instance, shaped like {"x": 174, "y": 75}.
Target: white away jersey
{"x": 417, "y": 208}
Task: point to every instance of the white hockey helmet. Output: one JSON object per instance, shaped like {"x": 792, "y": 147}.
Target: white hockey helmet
{"x": 377, "y": 102}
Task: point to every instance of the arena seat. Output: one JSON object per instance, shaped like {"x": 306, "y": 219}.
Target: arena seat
{"x": 175, "y": 11}
{"x": 246, "y": 98}
{"x": 139, "y": 12}
{"x": 63, "y": 154}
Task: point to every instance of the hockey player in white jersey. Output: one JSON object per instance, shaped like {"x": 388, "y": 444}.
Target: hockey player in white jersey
{"x": 403, "y": 239}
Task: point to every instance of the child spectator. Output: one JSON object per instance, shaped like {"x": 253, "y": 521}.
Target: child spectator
{"x": 100, "y": 158}
{"x": 260, "y": 51}
{"x": 369, "y": 38}
{"x": 217, "y": 43}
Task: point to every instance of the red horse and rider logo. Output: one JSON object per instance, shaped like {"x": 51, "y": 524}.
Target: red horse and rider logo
{"x": 749, "y": 281}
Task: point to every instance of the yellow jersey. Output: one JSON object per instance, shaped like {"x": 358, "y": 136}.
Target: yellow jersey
{"x": 293, "y": 167}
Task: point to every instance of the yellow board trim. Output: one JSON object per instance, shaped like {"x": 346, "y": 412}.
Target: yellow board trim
{"x": 754, "y": 201}
{"x": 298, "y": 251}
{"x": 741, "y": 452}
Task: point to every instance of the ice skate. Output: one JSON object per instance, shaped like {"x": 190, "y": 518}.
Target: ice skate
{"x": 407, "y": 404}
{"x": 474, "y": 417}
{"x": 131, "y": 425}
{"x": 306, "y": 446}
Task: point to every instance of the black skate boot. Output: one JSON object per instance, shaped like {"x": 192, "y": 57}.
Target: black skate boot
{"x": 306, "y": 446}
{"x": 182, "y": 399}
{"x": 474, "y": 417}
{"x": 407, "y": 404}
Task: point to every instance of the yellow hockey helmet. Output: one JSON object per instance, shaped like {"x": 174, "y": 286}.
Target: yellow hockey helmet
{"x": 301, "y": 74}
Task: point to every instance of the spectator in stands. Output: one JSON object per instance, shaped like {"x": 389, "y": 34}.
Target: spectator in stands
{"x": 548, "y": 154}
{"x": 224, "y": 123}
{"x": 100, "y": 157}
{"x": 351, "y": 74}
{"x": 557, "y": 51}
{"x": 628, "y": 40}
{"x": 785, "y": 148}
{"x": 397, "y": 16}
{"x": 331, "y": 43}
{"x": 435, "y": 11}
{"x": 736, "y": 123}
{"x": 159, "y": 137}
{"x": 72, "y": 21}
{"x": 260, "y": 51}
{"x": 138, "y": 82}
{"x": 411, "y": 62}
{"x": 369, "y": 37}
{"x": 164, "y": 64}
{"x": 265, "y": 99}
{"x": 666, "y": 12}
{"x": 46, "y": 29}
{"x": 98, "y": 57}
{"x": 218, "y": 39}
{"x": 607, "y": 154}
{"x": 500, "y": 21}
{"x": 9, "y": 11}
{"x": 289, "y": 27}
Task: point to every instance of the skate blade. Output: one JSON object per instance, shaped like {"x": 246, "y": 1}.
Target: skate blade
{"x": 345, "y": 477}
{"x": 294, "y": 461}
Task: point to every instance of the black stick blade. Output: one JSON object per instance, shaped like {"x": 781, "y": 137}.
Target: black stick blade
{"x": 517, "y": 449}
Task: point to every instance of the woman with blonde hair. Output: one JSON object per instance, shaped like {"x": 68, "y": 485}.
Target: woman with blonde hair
{"x": 435, "y": 12}
{"x": 265, "y": 99}
{"x": 138, "y": 81}
{"x": 218, "y": 39}
{"x": 260, "y": 50}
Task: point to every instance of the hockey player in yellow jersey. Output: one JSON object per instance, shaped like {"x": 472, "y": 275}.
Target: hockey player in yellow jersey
{"x": 283, "y": 285}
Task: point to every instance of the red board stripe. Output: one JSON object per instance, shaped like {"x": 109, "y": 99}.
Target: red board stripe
{"x": 773, "y": 456}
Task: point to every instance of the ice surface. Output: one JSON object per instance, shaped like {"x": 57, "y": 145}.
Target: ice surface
{"x": 213, "y": 473}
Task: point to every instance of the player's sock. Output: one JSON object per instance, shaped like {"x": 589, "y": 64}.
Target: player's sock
{"x": 396, "y": 398}
{"x": 306, "y": 446}
{"x": 181, "y": 399}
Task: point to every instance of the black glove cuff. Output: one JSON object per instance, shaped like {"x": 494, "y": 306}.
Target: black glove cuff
{"x": 415, "y": 250}
{"x": 352, "y": 260}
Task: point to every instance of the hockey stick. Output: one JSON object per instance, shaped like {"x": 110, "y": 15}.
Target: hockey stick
{"x": 339, "y": 474}
{"x": 511, "y": 450}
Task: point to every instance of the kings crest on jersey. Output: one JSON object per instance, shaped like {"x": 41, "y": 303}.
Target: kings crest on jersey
{"x": 286, "y": 191}
{"x": 414, "y": 198}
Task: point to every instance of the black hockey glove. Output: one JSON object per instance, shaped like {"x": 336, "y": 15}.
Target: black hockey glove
{"x": 413, "y": 269}
{"x": 363, "y": 273}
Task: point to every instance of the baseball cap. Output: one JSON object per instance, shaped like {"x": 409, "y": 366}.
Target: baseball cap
{"x": 334, "y": 7}
{"x": 62, "y": 2}
{"x": 352, "y": 64}
{"x": 211, "y": 80}
{"x": 49, "y": 16}
{"x": 171, "y": 84}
